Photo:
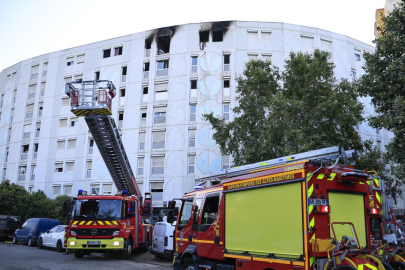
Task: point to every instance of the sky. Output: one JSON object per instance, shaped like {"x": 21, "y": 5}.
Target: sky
{"x": 30, "y": 28}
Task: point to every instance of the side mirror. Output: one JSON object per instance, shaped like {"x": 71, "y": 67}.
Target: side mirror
{"x": 48, "y": 231}
{"x": 171, "y": 205}
{"x": 170, "y": 216}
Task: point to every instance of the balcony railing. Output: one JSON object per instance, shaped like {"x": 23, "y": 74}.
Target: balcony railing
{"x": 24, "y": 156}
{"x": 34, "y": 76}
{"x": 124, "y": 78}
{"x": 35, "y": 154}
{"x": 42, "y": 93}
{"x": 31, "y": 95}
{"x": 32, "y": 177}
{"x": 160, "y": 119}
{"x": 88, "y": 174}
{"x": 120, "y": 123}
{"x": 37, "y": 134}
{"x": 90, "y": 150}
{"x": 26, "y": 135}
{"x": 193, "y": 69}
{"x": 162, "y": 72}
{"x": 29, "y": 115}
{"x": 227, "y": 67}
{"x": 147, "y": 52}
{"x": 21, "y": 177}
{"x": 146, "y": 74}
{"x": 40, "y": 113}
{"x": 44, "y": 73}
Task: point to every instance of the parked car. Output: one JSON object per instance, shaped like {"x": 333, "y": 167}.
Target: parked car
{"x": 32, "y": 229}
{"x": 162, "y": 240}
{"x": 54, "y": 238}
{"x": 8, "y": 225}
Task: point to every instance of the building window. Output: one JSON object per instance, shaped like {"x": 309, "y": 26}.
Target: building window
{"x": 61, "y": 144}
{"x": 217, "y": 36}
{"x": 158, "y": 165}
{"x": 162, "y": 68}
{"x": 158, "y": 138}
{"x": 13, "y": 76}
{"x": 63, "y": 122}
{"x": 70, "y": 61}
{"x": 148, "y": 46}
{"x": 107, "y": 189}
{"x": 78, "y": 77}
{"x": 40, "y": 108}
{"x": 266, "y": 57}
{"x": 143, "y": 117}
{"x": 122, "y": 92}
{"x": 146, "y": 70}
{"x": 32, "y": 173}
{"x": 161, "y": 91}
{"x": 34, "y": 72}
{"x": 67, "y": 190}
{"x": 4, "y": 174}
{"x": 227, "y": 61}
{"x": 30, "y": 111}
{"x": 91, "y": 144}
{"x": 22, "y": 173}
{"x": 14, "y": 95}
{"x": 142, "y": 141}
{"x": 326, "y": 46}
{"x": 225, "y": 162}
{"x": 106, "y": 53}
{"x": 160, "y": 116}
{"x": 353, "y": 74}
{"x": 307, "y": 44}
{"x": 156, "y": 190}
{"x": 80, "y": 59}
{"x": 95, "y": 188}
{"x": 43, "y": 89}
{"x": 191, "y": 164}
{"x": 58, "y": 167}
{"x": 193, "y": 88}
{"x": 7, "y": 152}
{"x": 193, "y": 113}
{"x": 124, "y": 74}
{"x": 118, "y": 51}
{"x": 45, "y": 70}
{"x": 357, "y": 54}
{"x": 227, "y": 88}
{"x": 266, "y": 36}
{"x": 24, "y": 151}
{"x": 89, "y": 164}
{"x": 163, "y": 45}
{"x": 194, "y": 60}
{"x": 141, "y": 161}
{"x": 120, "y": 119}
{"x": 252, "y": 35}
{"x": 56, "y": 190}
{"x": 31, "y": 91}
{"x": 26, "y": 132}
{"x": 191, "y": 138}
{"x": 65, "y": 101}
{"x": 225, "y": 113}
{"x": 378, "y": 145}
{"x": 9, "y": 135}
{"x": 36, "y": 147}
{"x": 145, "y": 90}
{"x": 70, "y": 166}
{"x": 253, "y": 56}
{"x": 377, "y": 131}
{"x": 71, "y": 143}
{"x": 73, "y": 121}
{"x": 204, "y": 36}
{"x": 97, "y": 75}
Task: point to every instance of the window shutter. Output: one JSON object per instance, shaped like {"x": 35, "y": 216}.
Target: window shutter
{"x": 158, "y": 161}
{"x": 89, "y": 164}
{"x": 68, "y": 190}
{"x": 142, "y": 137}
{"x": 35, "y": 69}
{"x": 70, "y": 166}
{"x": 158, "y": 185}
{"x": 141, "y": 161}
{"x": 61, "y": 145}
{"x": 107, "y": 188}
{"x": 56, "y": 190}
{"x": 159, "y": 139}
{"x": 326, "y": 45}
{"x": 70, "y": 59}
{"x": 192, "y": 134}
{"x": 32, "y": 88}
{"x": 161, "y": 87}
{"x": 80, "y": 58}
{"x": 72, "y": 144}
{"x": 78, "y": 77}
{"x": 27, "y": 128}
{"x": 307, "y": 44}
{"x": 45, "y": 66}
{"x": 68, "y": 79}
{"x": 191, "y": 160}
{"x": 58, "y": 165}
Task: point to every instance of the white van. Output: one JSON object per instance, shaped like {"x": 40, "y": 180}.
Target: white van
{"x": 162, "y": 240}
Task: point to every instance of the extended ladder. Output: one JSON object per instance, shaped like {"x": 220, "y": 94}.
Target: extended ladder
{"x": 92, "y": 99}
{"x": 329, "y": 154}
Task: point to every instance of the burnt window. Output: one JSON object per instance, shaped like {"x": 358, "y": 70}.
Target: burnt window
{"x": 217, "y": 36}
{"x": 106, "y": 53}
{"x": 194, "y": 84}
{"x": 145, "y": 90}
{"x": 204, "y": 36}
{"x": 148, "y": 44}
{"x": 163, "y": 44}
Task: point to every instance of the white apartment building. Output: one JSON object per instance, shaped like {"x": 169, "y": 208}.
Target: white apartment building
{"x": 166, "y": 79}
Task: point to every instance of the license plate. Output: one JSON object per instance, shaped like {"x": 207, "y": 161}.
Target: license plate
{"x": 318, "y": 201}
{"x": 93, "y": 242}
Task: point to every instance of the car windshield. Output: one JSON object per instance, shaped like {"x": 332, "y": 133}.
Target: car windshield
{"x": 54, "y": 229}
{"x": 97, "y": 209}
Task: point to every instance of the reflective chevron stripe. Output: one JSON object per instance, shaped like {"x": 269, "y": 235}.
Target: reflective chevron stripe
{"x": 83, "y": 112}
{"x": 320, "y": 176}
{"x": 331, "y": 176}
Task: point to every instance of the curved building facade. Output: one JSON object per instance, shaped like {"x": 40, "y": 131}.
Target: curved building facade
{"x": 166, "y": 80}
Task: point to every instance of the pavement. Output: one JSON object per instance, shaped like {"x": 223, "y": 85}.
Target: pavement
{"x": 19, "y": 257}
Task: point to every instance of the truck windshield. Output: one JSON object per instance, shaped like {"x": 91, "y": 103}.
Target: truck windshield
{"x": 97, "y": 209}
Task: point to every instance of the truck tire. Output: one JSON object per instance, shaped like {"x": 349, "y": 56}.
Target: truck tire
{"x": 346, "y": 267}
{"x": 40, "y": 246}
{"x": 387, "y": 266}
{"x": 126, "y": 253}
{"x": 189, "y": 265}
{"x": 79, "y": 254}
{"x": 398, "y": 265}
{"x": 15, "y": 240}
{"x": 59, "y": 246}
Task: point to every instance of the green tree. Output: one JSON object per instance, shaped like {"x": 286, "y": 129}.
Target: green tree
{"x": 280, "y": 113}
{"x": 384, "y": 82}
{"x": 14, "y": 199}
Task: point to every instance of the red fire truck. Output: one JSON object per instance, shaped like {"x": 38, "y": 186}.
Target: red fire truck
{"x": 106, "y": 223}
{"x": 303, "y": 211}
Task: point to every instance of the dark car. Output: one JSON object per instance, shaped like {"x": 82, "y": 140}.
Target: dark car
{"x": 32, "y": 229}
{"x": 8, "y": 225}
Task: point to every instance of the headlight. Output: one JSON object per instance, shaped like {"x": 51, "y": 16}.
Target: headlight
{"x": 116, "y": 233}
{"x": 115, "y": 243}
{"x": 73, "y": 233}
{"x": 72, "y": 243}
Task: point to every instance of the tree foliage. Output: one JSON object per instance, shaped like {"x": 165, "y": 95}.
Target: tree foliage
{"x": 16, "y": 201}
{"x": 280, "y": 113}
{"x": 384, "y": 82}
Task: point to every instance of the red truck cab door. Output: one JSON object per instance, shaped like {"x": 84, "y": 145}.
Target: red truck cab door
{"x": 184, "y": 233}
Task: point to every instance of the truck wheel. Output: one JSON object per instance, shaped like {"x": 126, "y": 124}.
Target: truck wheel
{"x": 15, "y": 240}
{"x": 126, "y": 253}
{"x": 398, "y": 265}
{"x": 387, "y": 266}
{"x": 79, "y": 254}
{"x": 189, "y": 265}
{"x": 59, "y": 247}
{"x": 30, "y": 243}
{"x": 346, "y": 267}
{"x": 40, "y": 246}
